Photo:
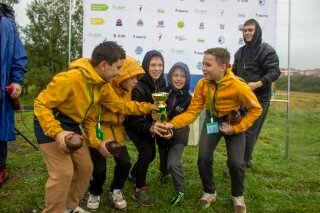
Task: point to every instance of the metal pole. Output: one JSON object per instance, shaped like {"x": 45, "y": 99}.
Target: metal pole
{"x": 69, "y": 36}
{"x": 288, "y": 93}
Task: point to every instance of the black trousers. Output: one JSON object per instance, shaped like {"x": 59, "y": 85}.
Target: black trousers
{"x": 235, "y": 145}
{"x": 253, "y": 132}
{"x": 147, "y": 153}
{"x": 120, "y": 175}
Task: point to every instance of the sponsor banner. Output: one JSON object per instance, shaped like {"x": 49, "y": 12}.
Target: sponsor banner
{"x": 180, "y": 29}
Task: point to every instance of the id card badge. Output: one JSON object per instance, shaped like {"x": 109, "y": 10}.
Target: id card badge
{"x": 212, "y": 128}
{"x": 99, "y": 133}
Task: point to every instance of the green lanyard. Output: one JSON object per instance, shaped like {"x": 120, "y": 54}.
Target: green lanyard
{"x": 92, "y": 101}
{"x": 214, "y": 100}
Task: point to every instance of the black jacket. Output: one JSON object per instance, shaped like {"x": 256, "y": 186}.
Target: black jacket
{"x": 177, "y": 103}
{"x": 138, "y": 127}
{"x": 257, "y": 61}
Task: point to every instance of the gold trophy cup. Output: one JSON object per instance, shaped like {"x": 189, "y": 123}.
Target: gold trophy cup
{"x": 159, "y": 100}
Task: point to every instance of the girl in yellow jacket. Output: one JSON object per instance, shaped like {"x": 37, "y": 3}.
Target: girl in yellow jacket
{"x": 221, "y": 92}
{"x": 112, "y": 125}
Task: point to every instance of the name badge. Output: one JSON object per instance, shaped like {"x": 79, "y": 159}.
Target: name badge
{"x": 100, "y": 133}
{"x": 212, "y": 128}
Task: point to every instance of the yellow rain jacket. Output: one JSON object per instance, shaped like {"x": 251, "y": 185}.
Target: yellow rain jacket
{"x": 112, "y": 121}
{"x": 231, "y": 94}
{"x": 69, "y": 93}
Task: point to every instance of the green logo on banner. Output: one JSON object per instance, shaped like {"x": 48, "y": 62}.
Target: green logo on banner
{"x": 99, "y": 7}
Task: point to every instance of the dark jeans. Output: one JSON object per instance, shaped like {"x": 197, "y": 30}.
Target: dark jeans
{"x": 121, "y": 171}
{"x": 170, "y": 161}
{"x": 147, "y": 153}
{"x": 253, "y": 132}
{"x": 235, "y": 151}
{"x": 3, "y": 154}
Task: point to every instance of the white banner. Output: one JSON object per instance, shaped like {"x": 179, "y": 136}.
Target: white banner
{"x": 181, "y": 29}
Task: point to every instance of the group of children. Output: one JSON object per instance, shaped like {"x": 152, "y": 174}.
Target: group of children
{"x": 112, "y": 93}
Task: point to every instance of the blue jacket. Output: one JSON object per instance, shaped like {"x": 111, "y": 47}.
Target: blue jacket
{"x": 13, "y": 60}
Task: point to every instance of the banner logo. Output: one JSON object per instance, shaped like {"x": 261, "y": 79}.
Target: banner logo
{"x": 119, "y": 22}
{"x": 140, "y": 23}
{"x": 138, "y": 50}
{"x": 180, "y": 24}
{"x": 99, "y": 7}
{"x": 96, "y": 21}
{"x": 221, "y": 39}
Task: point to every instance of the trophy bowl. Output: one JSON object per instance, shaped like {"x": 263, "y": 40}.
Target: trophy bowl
{"x": 160, "y": 97}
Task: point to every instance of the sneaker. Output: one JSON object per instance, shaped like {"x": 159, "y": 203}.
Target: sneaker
{"x": 93, "y": 201}
{"x": 239, "y": 204}
{"x": 4, "y": 175}
{"x": 76, "y": 210}
{"x": 178, "y": 199}
{"x": 207, "y": 199}
{"x": 117, "y": 199}
{"x": 142, "y": 197}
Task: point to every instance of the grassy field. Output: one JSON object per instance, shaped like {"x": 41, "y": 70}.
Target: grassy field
{"x": 275, "y": 184}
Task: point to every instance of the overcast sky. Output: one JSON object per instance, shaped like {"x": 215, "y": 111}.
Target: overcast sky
{"x": 305, "y": 32}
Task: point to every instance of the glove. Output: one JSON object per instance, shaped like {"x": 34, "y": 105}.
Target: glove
{"x": 234, "y": 117}
{"x": 74, "y": 141}
{"x": 114, "y": 148}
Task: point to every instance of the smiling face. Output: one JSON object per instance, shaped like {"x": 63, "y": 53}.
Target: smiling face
{"x": 212, "y": 69}
{"x": 248, "y": 32}
{"x": 178, "y": 78}
{"x": 155, "y": 67}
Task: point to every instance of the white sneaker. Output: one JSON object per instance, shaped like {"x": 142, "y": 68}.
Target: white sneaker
{"x": 76, "y": 210}
{"x": 207, "y": 199}
{"x": 93, "y": 201}
{"x": 117, "y": 199}
{"x": 239, "y": 204}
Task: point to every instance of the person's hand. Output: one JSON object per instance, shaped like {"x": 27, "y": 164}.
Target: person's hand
{"x": 60, "y": 140}
{"x": 158, "y": 129}
{"x": 169, "y": 135}
{"x": 16, "y": 90}
{"x": 155, "y": 115}
{"x": 103, "y": 150}
{"x": 153, "y": 107}
{"x": 226, "y": 129}
{"x": 255, "y": 85}
{"x": 169, "y": 125}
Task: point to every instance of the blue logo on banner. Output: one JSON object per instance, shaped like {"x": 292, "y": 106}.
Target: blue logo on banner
{"x": 138, "y": 50}
{"x": 262, "y": 2}
{"x": 119, "y": 22}
{"x": 221, "y": 39}
{"x": 199, "y": 65}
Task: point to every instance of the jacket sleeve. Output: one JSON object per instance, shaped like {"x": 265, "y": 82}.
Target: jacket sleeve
{"x": 270, "y": 67}
{"x": 249, "y": 100}
{"x": 19, "y": 60}
{"x": 235, "y": 65}
{"x": 139, "y": 123}
{"x": 111, "y": 101}
{"x": 193, "y": 110}
{"x": 89, "y": 128}
{"x": 58, "y": 90}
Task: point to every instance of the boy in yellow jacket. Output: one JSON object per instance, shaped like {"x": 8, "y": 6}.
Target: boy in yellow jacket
{"x": 221, "y": 92}
{"x": 112, "y": 125}
{"x": 68, "y": 101}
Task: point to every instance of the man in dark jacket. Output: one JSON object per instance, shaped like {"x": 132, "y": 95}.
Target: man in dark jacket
{"x": 13, "y": 60}
{"x": 258, "y": 64}
{"x": 140, "y": 129}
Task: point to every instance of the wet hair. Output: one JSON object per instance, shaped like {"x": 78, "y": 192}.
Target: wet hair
{"x": 108, "y": 51}
{"x": 250, "y": 22}
{"x": 222, "y": 55}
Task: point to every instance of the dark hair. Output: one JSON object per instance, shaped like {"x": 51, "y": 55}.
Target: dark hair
{"x": 108, "y": 51}
{"x": 222, "y": 55}
{"x": 250, "y": 22}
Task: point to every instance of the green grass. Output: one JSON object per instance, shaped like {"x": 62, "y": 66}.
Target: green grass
{"x": 275, "y": 184}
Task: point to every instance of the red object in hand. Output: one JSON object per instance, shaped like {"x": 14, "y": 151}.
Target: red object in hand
{"x": 15, "y": 101}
